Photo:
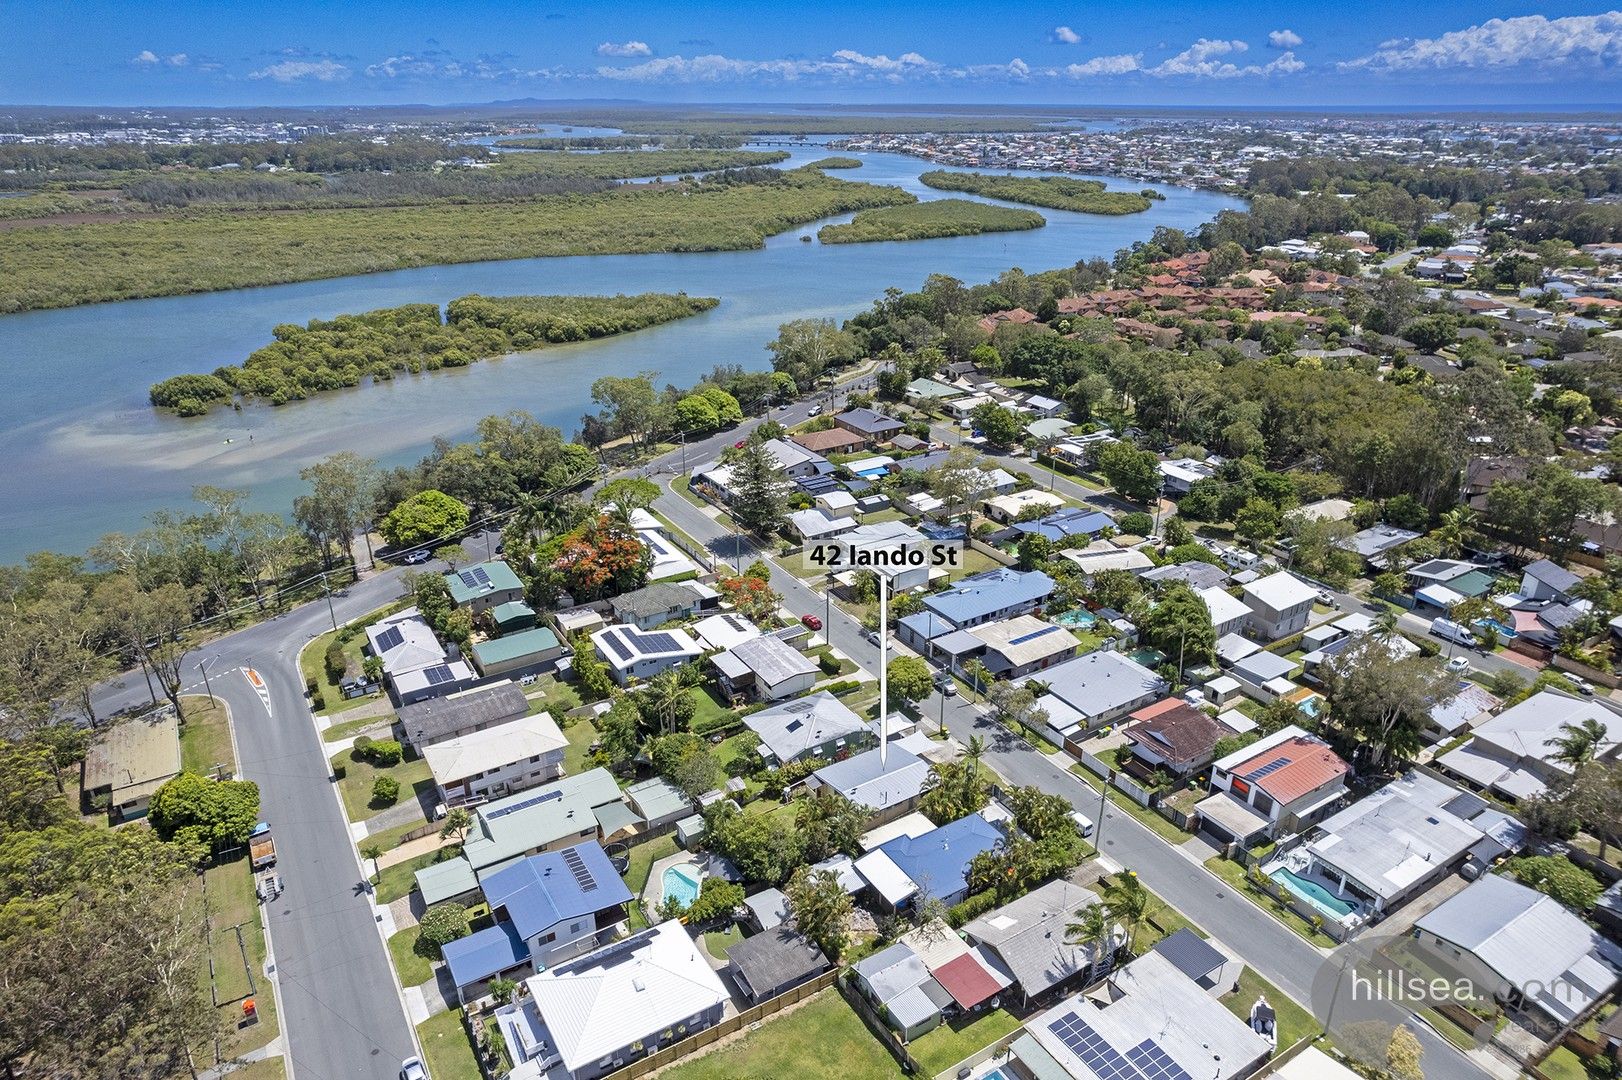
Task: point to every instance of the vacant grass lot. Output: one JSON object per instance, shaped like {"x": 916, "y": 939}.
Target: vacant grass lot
{"x": 231, "y": 902}
{"x": 205, "y": 740}
{"x": 821, "y": 1037}
{"x": 445, "y": 1044}
{"x": 356, "y": 786}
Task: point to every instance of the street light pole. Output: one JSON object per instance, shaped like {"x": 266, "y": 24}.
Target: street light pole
{"x": 202, "y": 665}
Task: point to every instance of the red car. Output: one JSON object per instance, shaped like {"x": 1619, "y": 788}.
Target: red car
{"x": 811, "y": 622}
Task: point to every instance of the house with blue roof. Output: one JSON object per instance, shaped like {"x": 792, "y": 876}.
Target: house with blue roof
{"x": 548, "y": 908}
{"x": 994, "y": 595}
{"x": 937, "y": 863}
{"x": 1061, "y": 525}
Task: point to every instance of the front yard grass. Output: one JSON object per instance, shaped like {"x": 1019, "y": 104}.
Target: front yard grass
{"x": 1161, "y": 827}
{"x": 414, "y": 970}
{"x": 312, "y": 664}
{"x": 205, "y": 740}
{"x": 940, "y": 1049}
{"x": 397, "y": 880}
{"x": 232, "y": 902}
{"x": 356, "y": 786}
{"x": 446, "y": 1046}
{"x": 799, "y": 1044}
{"x": 1294, "y": 1023}
{"x": 1234, "y": 874}
{"x": 363, "y": 726}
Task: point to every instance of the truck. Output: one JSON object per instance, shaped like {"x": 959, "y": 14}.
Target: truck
{"x": 262, "y": 846}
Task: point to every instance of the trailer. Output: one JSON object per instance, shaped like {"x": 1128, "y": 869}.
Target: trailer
{"x": 262, "y": 846}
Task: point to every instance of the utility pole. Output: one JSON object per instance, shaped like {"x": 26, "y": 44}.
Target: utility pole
{"x": 202, "y": 665}
{"x": 327, "y": 586}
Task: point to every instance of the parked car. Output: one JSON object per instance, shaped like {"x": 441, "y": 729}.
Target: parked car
{"x": 1326, "y": 598}
{"x": 1583, "y": 685}
{"x": 871, "y": 635}
{"x": 1459, "y": 665}
{"x": 415, "y": 558}
{"x": 1084, "y": 824}
{"x": 412, "y": 1069}
{"x": 811, "y": 622}
{"x": 948, "y": 688}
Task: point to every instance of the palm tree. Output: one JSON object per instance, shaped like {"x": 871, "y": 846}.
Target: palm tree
{"x": 973, "y": 753}
{"x": 1385, "y": 624}
{"x": 1094, "y": 929}
{"x": 1577, "y": 744}
{"x": 1129, "y": 903}
{"x": 666, "y": 691}
{"x": 1456, "y": 528}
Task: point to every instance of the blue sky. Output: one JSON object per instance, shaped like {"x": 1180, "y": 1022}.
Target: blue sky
{"x": 167, "y": 52}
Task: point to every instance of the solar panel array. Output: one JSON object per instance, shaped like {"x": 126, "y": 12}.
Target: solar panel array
{"x": 1033, "y": 635}
{"x": 476, "y": 578}
{"x": 1267, "y": 770}
{"x": 503, "y": 811}
{"x": 577, "y": 867}
{"x": 438, "y": 676}
{"x": 617, "y": 646}
{"x": 659, "y": 643}
{"x": 389, "y": 639}
{"x": 1145, "y": 1061}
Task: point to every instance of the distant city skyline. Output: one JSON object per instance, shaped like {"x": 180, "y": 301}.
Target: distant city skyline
{"x": 170, "y": 52}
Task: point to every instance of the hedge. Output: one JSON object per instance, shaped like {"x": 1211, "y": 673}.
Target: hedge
{"x": 973, "y": 907}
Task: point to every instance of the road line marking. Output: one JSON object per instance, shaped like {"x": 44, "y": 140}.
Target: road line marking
{"x": 256, "y": 681}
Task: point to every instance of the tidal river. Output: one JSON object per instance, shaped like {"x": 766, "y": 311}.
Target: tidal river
{"x": 85, "y": 454}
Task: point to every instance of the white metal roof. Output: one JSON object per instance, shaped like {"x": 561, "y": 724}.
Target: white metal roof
{"x": 481, "y": 751}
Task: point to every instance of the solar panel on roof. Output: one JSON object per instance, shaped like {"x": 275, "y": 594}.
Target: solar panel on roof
{"x": 1033, "y": 635}
{"x": 503, "y": 811}
{"x": 1092, "y": 1049}
{"x": 1155, "y": 1063}
{"x": 438, "y": 676}
{"x": 476, "y": 578}
{"x": 1267, "y": 770}
{"x": 389, "y": 639}
{"x": 577, "y": 867}
{"x": 659, "y": 643}
{"x": 619, "y": 648}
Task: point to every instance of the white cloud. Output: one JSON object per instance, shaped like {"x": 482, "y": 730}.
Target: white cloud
{"x": 145, "y": 56}
{"x": 295, "y": 70}
{"x": 629, "y": 48}
{"x": 179, "y": 59}
{"x": 1120, "y": 64}
{"x": 846, "y": 64}
{"x": 1205, "y": 60}
{"x": 1065, "y": 35}
{"x": 1283, "y": 39}
{"x": 1498, "y": 43}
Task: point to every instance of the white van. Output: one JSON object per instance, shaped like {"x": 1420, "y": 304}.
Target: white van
{"x": 1449, "y": 630}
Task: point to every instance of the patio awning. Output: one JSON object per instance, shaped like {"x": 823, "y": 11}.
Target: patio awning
{"x": 969, "y": 981}
{"x": 1239, "y": 820}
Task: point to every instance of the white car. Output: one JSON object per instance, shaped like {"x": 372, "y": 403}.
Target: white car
{"x": 1459, "y": 665}
{"x": 421, "y": 555}
{"x": 1582, "y": 684}
{"x": 1084, "y": 824}
{"x": 412, "y": 1069}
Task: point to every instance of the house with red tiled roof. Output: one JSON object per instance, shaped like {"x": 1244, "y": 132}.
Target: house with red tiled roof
{"x": 1018, "y": 316}
{"x": 1174, "y": 736}
{"x": 1282, "y": 783}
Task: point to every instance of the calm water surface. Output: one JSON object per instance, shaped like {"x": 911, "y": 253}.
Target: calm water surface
{"x": 86, "y": 454}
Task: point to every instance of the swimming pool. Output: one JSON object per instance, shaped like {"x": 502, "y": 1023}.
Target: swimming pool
{"x": 1083, "y": 620}
{"x": 1313, "y": 893}
{"x": 995, "y": 1074}
{"x": 681, "y": 883}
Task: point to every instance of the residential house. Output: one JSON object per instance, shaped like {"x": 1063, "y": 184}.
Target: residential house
{"x": 1150, "y": 1020}
{"x": 1174, "y": 736}
{"x": 1029, "y": 938}
{"x": 835, "y": 440}
{"x": 479, "y": 709}
{"x": 657, "y": 803}
{"x": 887, "y": 788}
{"x": 1372, "y": 543}
{"x": 991, "y": 596}
{"x": 838, "y": 504}
{"x": 1439, "y": 581}
{"x": 1196, "y": 574}
{"x": 1279, "y": 784}
{"x": 1396, "y": 843}
{"x": 890, "y": 536}
{"x": 1469, "y": 707}
{"x": 415, "y": 664}
{"x": 1047, "y": 430}
{"x": 129, "y": 761}
{"x": 557, "y": 905}
{"x": 774, "y": 962}
{"x": 666, "y": 557}
{"x": 562, "y": 814}
{"x": 638, "y": 654}
{"x": 764, "y": 668}
{"x": 815, "y": 726}
{"x": 654, "y": 605}
{"x": 932, "y": 866}
{"x": 1515, "y": 754}
{"x": 1179, "y": 475}
{"x": 523, "y": 653}
{"x": 1527, "y": 951}
{"x": 597, "y": 1013}
{"x": 923, "y": 392}
{"x": 1062, "y": 525}
{"x": 874, "y": 427}
{"x": 1100, "y": 555}
{"x": 420, "y": 684}
{"x": 1092, "y": 690}
{"x": 899, "y": 985}
{"x": 1229, "y": 614}
{"x": 1039, "y": 406}
{"x": 723, "y": 631}
{"x": 1013, "y": 648}
{"x": 1008, "y": 508}
{"x": 1279, "y": 605}
{"x": 815, "y": 524}
{"x": 1546, "y": 580}
{"x": 485, "y": 585}
{"x": 483, "y": 765}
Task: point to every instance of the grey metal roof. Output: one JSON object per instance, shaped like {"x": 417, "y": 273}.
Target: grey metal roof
{"x": 1099, "y": 682}
{"x": 794, "y": 727}
{"x": 778, "y": 957}
{"x": 1190, "y": 954}
{"x": 655, "y": 599}
{"x": 438, "y": 718}
{"x": 1552, "y": 574}
{"x": 772, "y": 660}
{"x": 1028, "y": 935}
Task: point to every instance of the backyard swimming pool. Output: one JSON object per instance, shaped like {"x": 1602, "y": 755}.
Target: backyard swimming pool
{"x": 1313, "y": 893}
{"x": 680, "y": 883}
{"x": 1081, "y": 620}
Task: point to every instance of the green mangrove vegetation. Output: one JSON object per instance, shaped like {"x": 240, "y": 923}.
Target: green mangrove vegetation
{"x": 329, "y": 354}
{"x": 836, "y": 162}
{"x": 1053, "y": 192}
{"x": 206, "y": 250}
{"x": 929, "y": 221}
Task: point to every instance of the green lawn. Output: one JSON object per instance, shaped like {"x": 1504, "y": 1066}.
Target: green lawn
{"x": 551, "y": 696}
{"x": 356, "y": 786}
{"x": 375, "y": 726}
{"x": 800, "y": 1044}
{"x": 1156, "y": 824}
{"x": 643, "y": 856}
{"x": 390, "y": 839}
{"x": 312, "y": 661}
{"x": 950, "y": 1043}
{"x": 577, "y": 755}
{"x": 231, "y": 902}
{"x": 972, "y": 562}
{"x": 414, "y": 970}
{"x": 397, "y": 880}
{"x": 205, "y": 740}
{"x": 1563, "y": 1065}
{"x": 717, "y": 942}
{"x": 708, "y": 709}
{"x": 1294, "y": 1022}
{"x": 268, "y": 1069}
{"x": 446, "y": 1046}
{"x": 1234, "y": 874}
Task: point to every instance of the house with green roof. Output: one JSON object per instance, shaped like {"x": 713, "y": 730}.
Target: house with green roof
{"x": 485, "y": 585}
{"x": 526, "y": 652}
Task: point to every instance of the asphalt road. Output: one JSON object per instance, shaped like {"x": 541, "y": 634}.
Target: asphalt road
{"x": 341, "y": 1011}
